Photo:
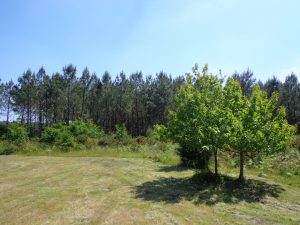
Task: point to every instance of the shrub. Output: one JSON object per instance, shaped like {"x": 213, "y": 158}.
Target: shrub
{"x": 89, "y": 129}
{"x": 121, "y": 132}
{"x": 7, "y": 150}
{"x": 295, "y": 142}
{"x": 3, "y": 129}
{"x": 50, "y": 135}
{"x": 160, "y": 132}
{"x": 58, "y": 135}
{"x": 66, "y": 140}
{"x": 16, "y": 133}
{"x": 68, "y": 136}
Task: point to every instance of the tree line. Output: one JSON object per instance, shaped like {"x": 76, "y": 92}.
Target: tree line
{"x": 138, "y": 101}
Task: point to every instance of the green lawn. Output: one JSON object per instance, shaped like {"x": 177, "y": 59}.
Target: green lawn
{"x": 103, "y": 190}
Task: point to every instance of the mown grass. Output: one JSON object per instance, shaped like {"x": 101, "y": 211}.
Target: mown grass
{"x": 136, "y": 182}
{"x": 105, "y": 190}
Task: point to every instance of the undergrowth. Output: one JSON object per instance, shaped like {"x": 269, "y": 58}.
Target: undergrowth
{"x": 160, "y": 152}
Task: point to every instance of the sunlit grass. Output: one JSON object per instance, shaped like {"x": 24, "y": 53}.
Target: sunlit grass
{"x": 105, "y": 190}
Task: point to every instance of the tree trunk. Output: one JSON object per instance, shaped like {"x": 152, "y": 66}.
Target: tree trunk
{"x": 137, "y": 118}
{"x": 8, "y": 111}
{"x": 241, "y": 177}
{"x": 83, "y": 104}
{"x": 216, "y": 161}
{"x": 67, "y": 119}
{"x": 46, "y": 111}
{"x": 40, "y": 117}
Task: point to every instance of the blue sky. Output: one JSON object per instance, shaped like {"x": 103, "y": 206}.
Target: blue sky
{"x": 150, "y": 35}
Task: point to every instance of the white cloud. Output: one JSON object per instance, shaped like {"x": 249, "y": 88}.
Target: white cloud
{"x": 285, "y": 72}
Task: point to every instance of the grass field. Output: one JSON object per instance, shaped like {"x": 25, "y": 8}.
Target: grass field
{"x": 104, "y": 190}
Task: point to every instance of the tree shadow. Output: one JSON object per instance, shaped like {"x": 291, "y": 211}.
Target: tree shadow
{"x": 206, "y": 189}
{"x": 176, "y": 168}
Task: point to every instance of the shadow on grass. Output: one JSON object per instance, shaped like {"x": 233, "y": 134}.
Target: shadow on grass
{"x": 205, "y": 189}
{"x": 176, "y": 168}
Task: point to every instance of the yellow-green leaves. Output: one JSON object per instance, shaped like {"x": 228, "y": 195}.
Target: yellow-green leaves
{"x": 199, "y": 123}
{"x": 211, "y": 117}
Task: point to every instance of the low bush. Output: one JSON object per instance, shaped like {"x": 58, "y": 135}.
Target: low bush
{"x": 159, "y": 132}
{"x": 121, "y": 132}
{"x": 295, "y": 142}
{"x": 7, "y": 149}
{"x": 59, "y": 136}
{"x": 50, "y": 135}
{"x": 78, "y": 132}
{"x": 66, "y": 140}
{"x": 16, "y": 133}
{"x": 3, "y": 129}
{"x": 89, "y": 129}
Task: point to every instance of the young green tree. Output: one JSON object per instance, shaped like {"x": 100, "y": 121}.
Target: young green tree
{"x": 201, "y": 120}
{"x": 186, "y": 129}
{"x": 256, "y": 129}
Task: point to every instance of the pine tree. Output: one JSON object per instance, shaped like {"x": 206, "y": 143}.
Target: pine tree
{"x": 289, "y": 97}
{"x": 246, "y": 81}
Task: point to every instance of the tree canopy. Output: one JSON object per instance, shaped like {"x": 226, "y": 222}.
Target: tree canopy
{"x": 209, "y": 117}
